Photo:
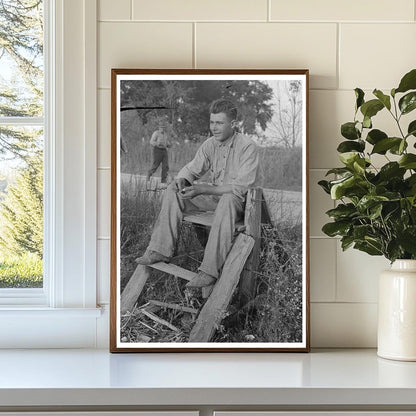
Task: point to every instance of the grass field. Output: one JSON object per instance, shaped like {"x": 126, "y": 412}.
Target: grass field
{"x": 21, "y": 271}
{"x": 280, "y": 168}
{"x": 275, "y": 314}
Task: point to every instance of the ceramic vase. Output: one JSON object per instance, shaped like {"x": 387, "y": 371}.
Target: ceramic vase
{"x": 397, "y": 312}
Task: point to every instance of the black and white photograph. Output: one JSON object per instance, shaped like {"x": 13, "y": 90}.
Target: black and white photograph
{"x": 209, "y": 216}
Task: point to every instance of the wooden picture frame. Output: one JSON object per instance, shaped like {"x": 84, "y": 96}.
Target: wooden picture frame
{"x": 254, "y": 146}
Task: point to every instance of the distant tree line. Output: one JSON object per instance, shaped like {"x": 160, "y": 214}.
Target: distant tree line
{"x": 186, "y": 103}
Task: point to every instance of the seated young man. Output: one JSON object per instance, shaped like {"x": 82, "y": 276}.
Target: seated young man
{"x": 232, "y": 160}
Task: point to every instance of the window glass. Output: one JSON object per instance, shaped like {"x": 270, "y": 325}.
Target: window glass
{"x": 21, "y": 143}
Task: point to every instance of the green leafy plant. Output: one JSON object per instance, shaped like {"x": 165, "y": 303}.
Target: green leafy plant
{"x": 376, "y": 212}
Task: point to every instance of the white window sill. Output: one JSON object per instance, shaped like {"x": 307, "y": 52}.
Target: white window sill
{"x": 40, "y": 327}
{"x": 331, "y": 379}
{"x": 36, "y": 312}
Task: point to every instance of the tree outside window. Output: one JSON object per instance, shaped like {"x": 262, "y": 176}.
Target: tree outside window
{"x": 21, "y": 143}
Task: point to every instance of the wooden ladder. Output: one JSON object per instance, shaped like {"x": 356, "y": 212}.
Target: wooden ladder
{"x": 241, "y": 261}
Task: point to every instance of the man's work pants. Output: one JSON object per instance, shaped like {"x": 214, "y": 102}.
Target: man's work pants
{"x": 160, "y": 156}
{"x": 228, "y": 210}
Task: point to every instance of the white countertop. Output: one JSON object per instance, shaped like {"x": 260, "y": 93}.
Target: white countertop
{"x": 96, "y": 377}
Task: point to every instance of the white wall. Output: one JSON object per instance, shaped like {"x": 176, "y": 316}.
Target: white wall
{"x": 345, "y": 44}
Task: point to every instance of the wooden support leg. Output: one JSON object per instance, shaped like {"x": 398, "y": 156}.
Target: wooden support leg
{"x": 252, "y": 221}
{"x": 134, "y": 287}
{"x": 212, "y": 313}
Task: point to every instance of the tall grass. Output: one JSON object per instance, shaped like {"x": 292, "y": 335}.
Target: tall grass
{"x": 25, "y": 271}
{"x": 275, "y": 315}
{"x": 280, "y": 168}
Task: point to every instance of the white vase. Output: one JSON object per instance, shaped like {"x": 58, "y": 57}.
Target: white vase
{"x": 397, "y": 312}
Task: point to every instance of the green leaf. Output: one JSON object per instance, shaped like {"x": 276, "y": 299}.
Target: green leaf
{"x": 348, "y": 158}
{"x": 411, "y": 130}
{"x": 371, "y": 108}
{"x": 408, "y": 102}
{"x": 375, "y": 136}
{"x": 402, "y": 147}
{"x": 391, "y": 170}
{"x": 408, "y": 82}
{"x": 345, "y": 186}
{"x": 393, "y": 250}
{"x": 398, "y": 149}
{"x": 369, "y": 201}
{"x": 359, "y": 165}
{"x": 361, "y": 231}
{"x": 338, "y": 171}
{"x": 383, "y": 145}
{"x": 336, "y": 228}
{"x": 349, "y": 146}
{"x": 342, "y": 211}
{"x": 325, "y": 186}
{"x": 368, "y": 248}
{"x": 408, "y": 161}
{"x": 337, "y": 189}
{"x": 385, "y": 99}
{"x": 407, "y": 240}
{"x": 346, "y": 242}
{"x": 393, "y": 92}
{"x": 375, "y": 212}
{"x": 349, "y": 131}
{"x": 367, "y": 122}
{"x": 359, "y": 94}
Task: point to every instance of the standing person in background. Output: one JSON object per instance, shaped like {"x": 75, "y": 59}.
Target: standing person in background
{"x": 160, "y": 143}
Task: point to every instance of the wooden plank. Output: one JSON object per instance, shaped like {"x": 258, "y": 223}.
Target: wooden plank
{"x": 160, "y": 321}
{"x": 174, "y": 306}
{"x": 202, "y": 218}
{"x": 174, "y": 269}
{"x": 133, "y": 288}
{"x": 206, "y": 291}
{"x": 266, "y": 218}
{"x": 206, "y": 219}
{"x": 212, "y": 312}
{"x": 252, "y": 220}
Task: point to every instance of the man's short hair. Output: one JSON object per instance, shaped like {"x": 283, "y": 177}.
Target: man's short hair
{"x": 224, "y": 106}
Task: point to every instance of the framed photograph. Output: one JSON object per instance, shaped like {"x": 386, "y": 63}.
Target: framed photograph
{"x": 209, "y": 210}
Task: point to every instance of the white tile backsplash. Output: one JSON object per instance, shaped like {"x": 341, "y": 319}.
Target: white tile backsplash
{"x": 271, "y": 46}
{"x": 319, "y": 203}
{"x": 104, "y": 128}
{"x": 114, "y": 10}
{"x": 103, "y": 271}
{"x": 340, "y": 10}
{"x": 345, "y": 44}
{"x": 349, "y": 325}
{"x": 142, "y": 45}
{"x": 376, "y": 55}
{"x": 323, "y": 269}
{"x": 104, "y": 202}
{"x": 357, "y": 275}
{"x": 200, "y": 10}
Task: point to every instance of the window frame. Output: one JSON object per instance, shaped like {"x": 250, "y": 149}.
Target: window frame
{"x": 70, "y": 208}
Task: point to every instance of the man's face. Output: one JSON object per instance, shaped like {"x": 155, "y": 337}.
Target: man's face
{"x": 220, "y": 126}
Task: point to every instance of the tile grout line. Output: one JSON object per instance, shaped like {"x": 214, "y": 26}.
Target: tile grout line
{"x": 194, "y": 63}
{"x": 307, "y": 22}
{"x": 336, "y": 271}
{"x": 338, "y": 65}
{"x": 269, "y": 11}
{"x": 131, "y": 9}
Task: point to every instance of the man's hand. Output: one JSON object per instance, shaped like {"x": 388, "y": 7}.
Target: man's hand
{"x": 180, "y": 184}
{"x": 193, "y": 191}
